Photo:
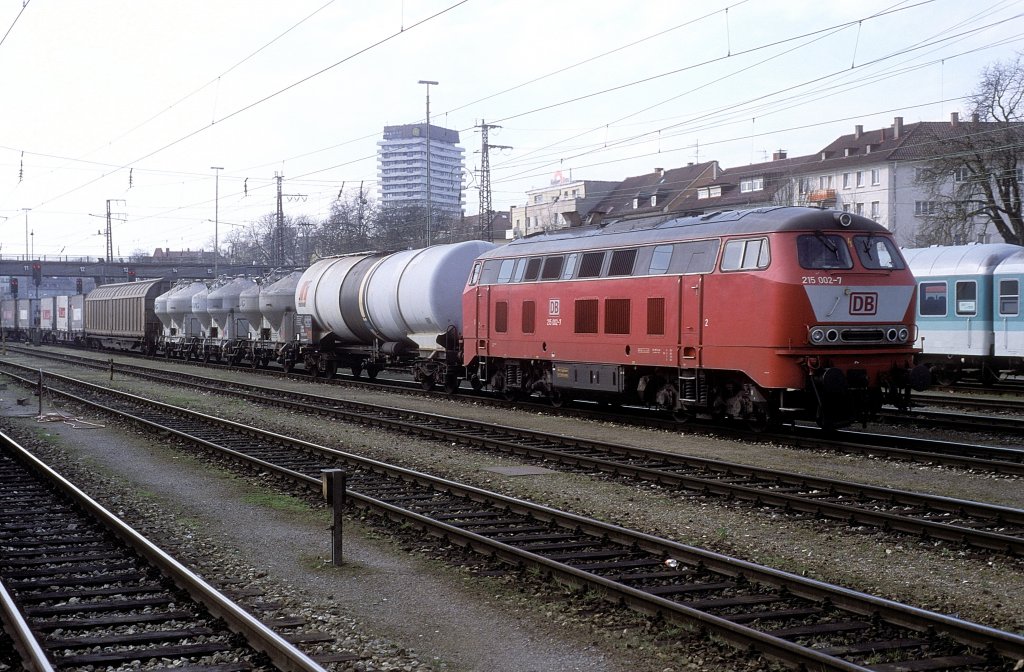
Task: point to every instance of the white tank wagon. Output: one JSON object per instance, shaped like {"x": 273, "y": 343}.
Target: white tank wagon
{"x": 367, "y": 311}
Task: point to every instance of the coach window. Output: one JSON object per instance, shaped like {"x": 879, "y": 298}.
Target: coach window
{"x": 552, "y": 268}
{"x": 876, "y": 253}
{"x": 570, "y": 266}
{"x": 590, "y": 267}
{"x": 932, "y": 299}
{"x": 505, "y": 272}
{"x": 967, "y": 298}
{"x": 823, "y": 252}
{"x": 660, "y": 260}
{"x": 745, "y": 255}
{"x": 1009, "y": 298}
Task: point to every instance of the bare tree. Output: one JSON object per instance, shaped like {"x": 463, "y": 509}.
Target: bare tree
{"x": 974, "y": 178}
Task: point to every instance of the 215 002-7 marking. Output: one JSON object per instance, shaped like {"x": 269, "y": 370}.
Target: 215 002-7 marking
{"x": 822, "y": 279}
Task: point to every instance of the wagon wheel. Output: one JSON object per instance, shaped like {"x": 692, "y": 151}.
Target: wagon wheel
{"x": 427, "y": 383}
{"x": 330, "y": 370}
{"x": 681, "y": 414}
{"x": 451, "y": 384}
{"x": 476, "y": 383}
{"x": 357, "y": 370}
{"x": 558, "y": 398}
{"x": 287, "y": 365}
{"x": 255, "y": 362}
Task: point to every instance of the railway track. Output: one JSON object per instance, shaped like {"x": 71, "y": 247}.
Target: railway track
{"x": 79, "y": 588}
{"x": 805, "y": 623}
{"x": 954, "y": 521}
{"x": 976, "y": 457}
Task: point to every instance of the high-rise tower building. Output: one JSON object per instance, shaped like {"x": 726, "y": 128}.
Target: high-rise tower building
{"x": 402, "y": 168}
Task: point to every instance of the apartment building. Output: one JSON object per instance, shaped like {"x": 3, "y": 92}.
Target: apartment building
{"x": 402, "y": 168}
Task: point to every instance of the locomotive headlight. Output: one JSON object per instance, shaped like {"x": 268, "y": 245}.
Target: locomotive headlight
{"x": 832, "y": 335}
{"x": 817, "y": 335}
{"x": 904, "y": 334}
{"x": 891, "y": 335}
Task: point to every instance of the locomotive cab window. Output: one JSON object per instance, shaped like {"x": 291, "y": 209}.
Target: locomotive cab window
{"x": 1009, "y": 298}
{"x": 475, "y": 276}
{"x": 967, "y": 298}
{"x": 877, "y": 253}
{"x": 823, "y": 252}
{"x": 932, "y": 299}
{"x": 742, "y": 255}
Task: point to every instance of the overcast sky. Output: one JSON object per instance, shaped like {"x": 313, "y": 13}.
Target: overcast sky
{"x": 135, "y": 100}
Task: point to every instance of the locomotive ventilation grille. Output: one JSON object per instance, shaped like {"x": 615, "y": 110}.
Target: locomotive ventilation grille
{"x": 881, "y": 334}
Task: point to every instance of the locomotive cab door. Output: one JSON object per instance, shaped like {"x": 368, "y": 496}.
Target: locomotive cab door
{"x": 481, "y": 315}
{"x": 691, "y": 320}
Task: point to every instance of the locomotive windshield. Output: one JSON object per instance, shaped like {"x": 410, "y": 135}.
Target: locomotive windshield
{"x": 876, "y": 252}
{"x": 821, "y": 251}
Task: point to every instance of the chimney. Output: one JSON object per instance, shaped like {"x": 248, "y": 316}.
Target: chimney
{"x": 883, "y": 135}
{"x": 954, "y": 119}
{"x": 778, "y": 155}
{"x": 974, "y": 118}
{"x": 897, "y": 127}
{"x": 858, "y": 131}
{"x": 660, "y": 172}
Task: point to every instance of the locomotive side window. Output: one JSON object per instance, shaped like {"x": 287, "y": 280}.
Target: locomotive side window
{"x": 622, "y": 262}
{"x": 823, "y": 252}
{"x": 532, "y": 269}
{"x": 552, "y": 268}
{"x": 590, "y": 267}
{"x": 655, "y": 316}
{"x": 696, "y": 257}
{"x": 876, "y": 252}
{"x": 517, "y": 274}
{"x": 967, "y": 298}
{"x": 1009, "y": 297}
{"x": 529, "y": 316}
{"x": 932, "y": 299}
{"x": 660, "y": 260}
{"x": 616, "y": 316}
{"x": 501, "y": 316}
{"x": 475, "y": 275}
{"x": 746, "y": 255}
{"x": 585, "y": 316}
{"x": 505, "y": 272}
{"x": 570, "y": 266}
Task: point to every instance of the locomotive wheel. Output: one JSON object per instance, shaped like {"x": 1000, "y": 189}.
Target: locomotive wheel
{"x": 681, "y": 415}
{"x": 451, "y": 385}
{"x": 509, "y": 393}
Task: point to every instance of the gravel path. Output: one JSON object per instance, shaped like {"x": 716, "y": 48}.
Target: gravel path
{"x": 395, "y": 587}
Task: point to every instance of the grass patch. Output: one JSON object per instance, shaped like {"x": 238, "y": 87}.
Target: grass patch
{"x": 277, "y": 502}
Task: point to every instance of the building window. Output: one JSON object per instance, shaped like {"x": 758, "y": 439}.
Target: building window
{"x": 925, "y": 208}
{"x": 616, "y": 316}
{"x": 751, "y": 184}
{"x": 846, "y": 180}
{"x": 636, "y": 203}
{"x": 860, "y": 178}
{"x": 538, "y": 198}
{"x": 961, "y": 174}
{"x": 858, "y": 208}
{"x": 825, "y": 182}
{"x": 846, "y": 207}
{"x": 876, "y": 208}
{"x": 876, "y": 176}
{"x": 586, "y": 316}
{"x": 703, "y": 193}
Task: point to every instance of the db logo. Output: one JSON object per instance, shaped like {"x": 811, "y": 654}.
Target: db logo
{"x": 554, "y": 307}
{"x": 863, "y": 303}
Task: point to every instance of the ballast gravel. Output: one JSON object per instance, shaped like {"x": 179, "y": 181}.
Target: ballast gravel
{"x": 408, "y": 608}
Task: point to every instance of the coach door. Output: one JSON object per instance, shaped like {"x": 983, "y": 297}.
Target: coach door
{"x": 691, "y": 320}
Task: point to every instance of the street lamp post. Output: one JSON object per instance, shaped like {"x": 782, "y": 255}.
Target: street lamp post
{"x": 216, "y": 218}
{"x": 428, "y": 83}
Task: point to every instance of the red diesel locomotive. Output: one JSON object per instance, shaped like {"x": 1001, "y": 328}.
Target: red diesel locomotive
{"x": 762, "y": 315}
